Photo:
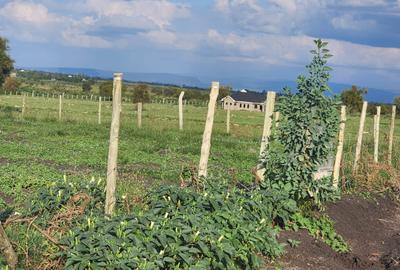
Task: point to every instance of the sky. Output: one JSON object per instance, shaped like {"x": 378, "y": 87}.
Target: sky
{"x": 209, "y": 39}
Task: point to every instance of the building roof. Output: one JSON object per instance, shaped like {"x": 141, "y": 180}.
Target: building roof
{"x": 249, "y": 96}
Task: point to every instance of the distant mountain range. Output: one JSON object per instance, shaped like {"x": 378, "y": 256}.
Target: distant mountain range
{"x": 374, "y": 94}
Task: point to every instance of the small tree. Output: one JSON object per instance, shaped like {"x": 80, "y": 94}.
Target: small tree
{"x": 6, "y": 63}
{"x": 305, "y": 136}
{"x": 224, "y": 91}
{"x": 106, "y": 89}
{"x": 141, "y": 93}
{"x": 396, "y": 102}
{"x": 87, "y": 86}
{"x": 353, "y": 98}
{"x": 11, "y": 84}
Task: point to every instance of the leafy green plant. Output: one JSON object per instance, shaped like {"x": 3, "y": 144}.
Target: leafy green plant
{"x": 220, "y": 227}
{"x": 304, "y": 139}
{"x": 322, "y": 228}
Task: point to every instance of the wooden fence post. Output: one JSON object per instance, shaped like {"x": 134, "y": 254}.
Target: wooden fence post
{"x": 339, "y": 152}
{"x": 7, "y": 249}
{"x": 23, "y": 105}
{"x": 60, "y": 108}
{"x": 269, "y": 110}
{"x": 228, "y": 119}
{"x": 376, "y": 132}
{"x": 181, "y": 110}
{"x": 360, "y": 136}
{"x": 206, "y": 145}
{"x": 391, "y": 134}
{"x": 99, "y": 116}
{"x": 113, "y": 148}
{"x": 139, "y": 114}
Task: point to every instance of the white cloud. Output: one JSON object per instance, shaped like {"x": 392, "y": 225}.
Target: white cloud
{"x": 174, "y": 40}
{"x": 143, "y": 14}
{"x": 271, "y": 16}
{"x": 349, "y": 22}
{"x": 364, "y": 3}
{"x": 289, "y": 50}
{"x": 79, "y": 39}
{"x": 27, "y": 12}
{"x": 81, "y": 23}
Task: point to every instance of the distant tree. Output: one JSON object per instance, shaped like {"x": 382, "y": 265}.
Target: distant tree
{"x": 87, "y": 86}
{"x": 6, "y": 63}
{"x": 11, "y": 84}
{"x": 224, "y": 91}
{"x": 106, "y": 88}
{"x": 353, "y": 98}
{"x": 396, "y": 102}
{"x": 141, "y": 93}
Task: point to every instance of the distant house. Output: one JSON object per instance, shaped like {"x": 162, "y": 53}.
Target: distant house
{"x": 245, "y": 100}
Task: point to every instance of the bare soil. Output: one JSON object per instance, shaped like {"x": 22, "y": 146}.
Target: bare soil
{"x": 370, "y": 226}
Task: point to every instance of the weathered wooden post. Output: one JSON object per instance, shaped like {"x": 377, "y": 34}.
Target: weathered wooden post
{"x": 113, "y": 148}
{"x": 376, "y": 129}
{"x": 181, "y": 110}
{"x": 269, "y": 110}
{"x": 391, "y": 133}
{"x": 33, "y": 93}
{"x": 60, "y": 108}
{"x": 228, "y": 119}
{"x": 360, "y": 136}
{"x": 23, "y": 105}
{"x": 139, "y": 114}
{"x": 339, "y": 152}
{"x": 206, "y": 145}
{"x": 7, "y": 249}
{"x": 99, "y": 116}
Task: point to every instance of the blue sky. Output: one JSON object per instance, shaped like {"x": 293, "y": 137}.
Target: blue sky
{"x": 209, "y": 39}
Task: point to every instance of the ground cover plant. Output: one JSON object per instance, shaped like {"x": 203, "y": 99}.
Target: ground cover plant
{"x": 166, "y": 217}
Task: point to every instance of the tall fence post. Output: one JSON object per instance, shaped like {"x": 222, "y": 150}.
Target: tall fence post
{"x": 60, "y": 108}
{"x": 360, "y": 136}
{"x": 206, "y": 145}
{"x": 269, "y": 111}
{"x": 391, "y": 133}
{"x": 376, "y": 132}
{"x": 181, "y": 110}
{"x": 228, "y": 119}
{"x": 23, "y": 105}
{"x": 139, "y": 114}
{"x": 99, "y": 114}
{"x": 113, "y": 148}
{"x": 339, "y": 152}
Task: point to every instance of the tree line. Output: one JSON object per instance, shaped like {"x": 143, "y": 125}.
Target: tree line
{"x": 353, "y": 98}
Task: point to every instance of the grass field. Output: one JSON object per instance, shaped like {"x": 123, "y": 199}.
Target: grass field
{"x": 40, "y": 148}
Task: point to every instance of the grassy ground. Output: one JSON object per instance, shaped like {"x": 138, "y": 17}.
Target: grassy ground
{"x": 40, "y": 148}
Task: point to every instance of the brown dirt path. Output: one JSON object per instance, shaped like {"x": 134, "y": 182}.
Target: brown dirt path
{"x": 371, "y": 227}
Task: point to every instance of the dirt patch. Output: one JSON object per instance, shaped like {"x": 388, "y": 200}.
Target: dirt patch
{"x": 6, "y": 198}
{"x": 370, "y": 227}
{"x": 4, "y": 161}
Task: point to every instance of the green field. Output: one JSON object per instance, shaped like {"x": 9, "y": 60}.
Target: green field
{"x": 40, "y": 148}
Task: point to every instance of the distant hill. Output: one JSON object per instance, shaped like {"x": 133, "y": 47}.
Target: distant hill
{"x": 162, "y": 78}
{"x": 374, "y": 95}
